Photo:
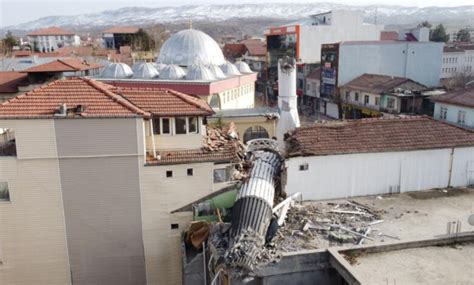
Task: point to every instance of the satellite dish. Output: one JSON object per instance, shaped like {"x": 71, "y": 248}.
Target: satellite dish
{"x": 471, "y": 220}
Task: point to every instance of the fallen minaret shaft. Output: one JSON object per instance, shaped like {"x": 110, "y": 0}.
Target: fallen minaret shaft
{"x": 252, "y": 211}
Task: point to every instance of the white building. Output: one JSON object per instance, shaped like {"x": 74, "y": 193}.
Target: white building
{"x": 378, "y": 156}
{"x": 52, "y": 38}
{"x": 457, "y": 60}
{"x": 456, "y": 107}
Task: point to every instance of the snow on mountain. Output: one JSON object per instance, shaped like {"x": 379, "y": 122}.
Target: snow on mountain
{"x": 386, "y": 14}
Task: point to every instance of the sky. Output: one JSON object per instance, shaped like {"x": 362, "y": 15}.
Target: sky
{"x": 14, "y": 12}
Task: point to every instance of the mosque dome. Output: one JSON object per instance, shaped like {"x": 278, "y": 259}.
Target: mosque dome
{"x": 190, "y": 46}
{"x": 117, "y": 70}
{"x": 159, "y": 66}
{"x": 172, "y": 72}
{"x": 144, "y": 70}
{"x": 217, "y": 71}
{"x": 200, "y": 72}
{"x": 229, "y": 69}
{"x": 242, "y": 66}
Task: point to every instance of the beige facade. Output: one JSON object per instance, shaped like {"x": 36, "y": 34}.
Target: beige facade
{"x": 239, "y": 97}
{"x": 243, "y": 124}
{"x": 32, "y": 227}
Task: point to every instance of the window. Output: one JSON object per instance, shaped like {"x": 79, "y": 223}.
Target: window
{"x": 348, "y": 95}
{"x": 180, "y": 125}
{"x": 304, "y": 167}
{"x": 443, "y": 111}
{"x": 193, "y": 124}
{"x": 221, "y": 175}
{"x": 356, "y": 96}
{"x": 366, "y": 99}
{"x": 166, "y": 126}
{"x": 169, "y": 173}
{"x": 377, "y": 101}
{"x": 190, "y": 172}
{"x": 461, "y": 117}
{"x": 255, "y": 132}
{"x": 156, "y": 126}
{"x": 174, "y": 226}
{"x": 390, "y": 103}
{"x": 4, "y": 192}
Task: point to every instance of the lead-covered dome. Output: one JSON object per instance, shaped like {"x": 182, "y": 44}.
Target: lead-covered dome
{"x": 229, "y": 69}
{"x": 117, "y": 70}
{"x": 144, "y": 70}
{"x": 217, "y": 71}
{"x": 191, "y": 46}
{"x": 172, "y": 72}
{"x": 242, "y": 66}
{"x": 200, "y": 72}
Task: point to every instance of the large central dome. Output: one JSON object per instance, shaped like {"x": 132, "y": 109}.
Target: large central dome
{"x": 189, "y": 47}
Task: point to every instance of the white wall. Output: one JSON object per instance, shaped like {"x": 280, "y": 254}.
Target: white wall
{"x": 420, "y": 62}
{"x": 338, "y": 176}
{"x": 463, "y": 167}
{"x": 452, "y": 113}
{"x": 455, "y": 63}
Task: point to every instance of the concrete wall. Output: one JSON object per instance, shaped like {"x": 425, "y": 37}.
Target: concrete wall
{"x": 452, "y": 113}
{"x": 420, "y": 62}
{"x": 338, "y": 176}
{"x": 159, "y": 196}
{"x": 33, "y": 248}
{"x": 99, "y": 164}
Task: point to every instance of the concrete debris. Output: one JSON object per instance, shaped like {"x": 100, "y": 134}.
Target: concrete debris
{"x": 225, "y": 138}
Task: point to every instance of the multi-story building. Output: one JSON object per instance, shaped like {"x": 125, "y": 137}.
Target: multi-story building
{"x": 371, "y": 95}
{"x": 52, "y": 38}
{"x": 456, "y": 107}
{"x": 458, "y": 60}
{"x": 116, "y": 37}
{"x": 303, "y": 39}
{"x": 345, "y": 61}
{"x": 89, "y": 175}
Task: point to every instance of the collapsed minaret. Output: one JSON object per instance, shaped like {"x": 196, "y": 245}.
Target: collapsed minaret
{"x": 287, "y": 99}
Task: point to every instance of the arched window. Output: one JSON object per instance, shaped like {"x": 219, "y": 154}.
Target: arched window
{"x": 215, "y": 102}
{"x": 255, "y": 132}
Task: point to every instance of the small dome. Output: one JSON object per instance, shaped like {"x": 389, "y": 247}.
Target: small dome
{"x": 200, "y": 72}
{"x": 159, "y": 66}
{"x": 173, "y": 72}
{"x": 117, "y": 70}
{"x": 191, "y": 46}
{"x": 229, "y": 69}
{"x": 217, "y": 71}
{"x": 242, "y": 66}
{"x": 144, "y": 70}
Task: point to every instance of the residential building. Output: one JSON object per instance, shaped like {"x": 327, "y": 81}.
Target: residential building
{"x": 312, "y": 91}
{"x": 52, "y": 38}
{"x": 458, "y": 60}
{"x": 345, "y": 61}
{"x": 371, "y": 95}
{"x": 378, "y": 156}
{"x": 92, "y": 172}
{"x": 456, "y": 107}
{"x": 303, "y": 39}
{"x": 116, "y": 37}
{"x": 63, "y": 68}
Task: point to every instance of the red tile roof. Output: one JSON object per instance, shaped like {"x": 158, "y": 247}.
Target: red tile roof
{"x": 165, "y": 102}
{"x": 233, "y": 50}
{"x": 255, "y": 47}
{"x": 22, "y": 53}
{"x": 376, "y": 135}
{"x": 63, "y": 65}
{"x": 462, "y": 97}
{"x": 121, "y": 30}
{"x": 388, "y": 35}
{"x": 94, "y": 96}
{"x": 51, "y": 31}
{"x": 377, "y": 84}
{"x": 9, "y": 81}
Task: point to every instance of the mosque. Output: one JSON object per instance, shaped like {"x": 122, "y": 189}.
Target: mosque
{"x": 191, "y": 62}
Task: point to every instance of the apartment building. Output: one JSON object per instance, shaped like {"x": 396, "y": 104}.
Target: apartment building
{"x": 456, "y": 107}
{"x": 89, "y": 175}
{"x": 52, "y": 38}
{"x": 458, "y": 60}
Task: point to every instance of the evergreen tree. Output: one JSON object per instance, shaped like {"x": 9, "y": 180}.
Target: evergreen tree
{"x": 438, "y": 34}
{"x": 425, "y": 24}
{"x": 463, "y": 36}
{"x": 9, "y": 42}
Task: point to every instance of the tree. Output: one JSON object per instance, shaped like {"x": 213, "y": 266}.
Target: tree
{"x": 9, "y": 42}
{"x": 438, "y": 34}
{"x": 425, "y": 24}
{"x": 463, "y": 36}
{"x": 143, "y": 41}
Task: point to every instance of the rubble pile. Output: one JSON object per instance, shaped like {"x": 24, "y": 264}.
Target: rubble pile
{"x": 219, "y": 139}
{"x": 319, "y": 225}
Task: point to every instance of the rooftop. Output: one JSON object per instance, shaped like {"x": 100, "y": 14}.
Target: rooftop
{"x": 97, "y": 99}
{"x": 376, "y": 135}
{"x": 375, "y": 83}
{"x": 462, "y": 97}
{"x": 64, "y": 65}
{"x": 255, "y": 47}
{"x": 9, "y": 81}
{"x": 250, "y": 112}
{"x": 51, "y": 31}
{"x": 121, "y": 30}
{"x": 315, "y": 74}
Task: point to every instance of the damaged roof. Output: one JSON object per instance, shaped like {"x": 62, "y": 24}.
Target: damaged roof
{"x": 376, "y": 83}
{"x": 376, "y": 135}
